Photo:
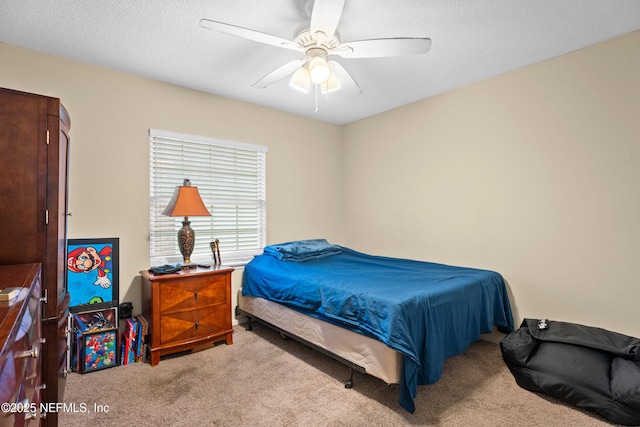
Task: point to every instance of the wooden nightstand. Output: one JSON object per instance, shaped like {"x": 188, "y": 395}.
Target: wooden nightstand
{"x": 187, "y": 309}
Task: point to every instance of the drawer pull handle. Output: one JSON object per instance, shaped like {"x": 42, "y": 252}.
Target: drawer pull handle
{"x": 27, "y": 353}
{"x": 196, "y": 325}
{"x": 195, "y": 294}
{"x": 28, "y": 415}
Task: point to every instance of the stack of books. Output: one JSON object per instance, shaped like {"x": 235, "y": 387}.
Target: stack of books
{"x": 134, "y": 340}
{"x": 7, "y": 294}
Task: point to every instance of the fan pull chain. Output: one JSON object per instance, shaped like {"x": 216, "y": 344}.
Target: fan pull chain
{"x": 317, "y": 88}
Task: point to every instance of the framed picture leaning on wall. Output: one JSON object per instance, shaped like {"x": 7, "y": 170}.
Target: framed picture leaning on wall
{"x": 99, "y": 350}
{"x": 93, "y": 273}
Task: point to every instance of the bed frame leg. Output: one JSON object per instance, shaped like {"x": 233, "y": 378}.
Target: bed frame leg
{"x": 249, "y": 326}
{"x": 349, "y": 382}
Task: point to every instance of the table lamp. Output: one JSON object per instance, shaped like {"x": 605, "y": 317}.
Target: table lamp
{"x": 186, "y": 201}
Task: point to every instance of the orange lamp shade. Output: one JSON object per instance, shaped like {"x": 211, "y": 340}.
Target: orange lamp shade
{"x": 186, "y": 201}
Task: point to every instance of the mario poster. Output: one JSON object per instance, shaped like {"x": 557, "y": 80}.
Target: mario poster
{"x": 92, "y": 272}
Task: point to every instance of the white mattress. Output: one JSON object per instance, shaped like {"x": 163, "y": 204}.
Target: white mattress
{"x": 376, "y": 358}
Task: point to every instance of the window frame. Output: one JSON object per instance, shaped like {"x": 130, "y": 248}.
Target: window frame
{"x": 242, "y": 204}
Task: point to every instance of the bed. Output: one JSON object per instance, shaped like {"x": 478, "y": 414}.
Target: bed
{"x": 396, "y": 319}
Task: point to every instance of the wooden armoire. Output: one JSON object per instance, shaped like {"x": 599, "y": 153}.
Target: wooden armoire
{"x": 34, "y": 144}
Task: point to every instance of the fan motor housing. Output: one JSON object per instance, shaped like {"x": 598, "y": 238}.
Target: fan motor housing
{"x": 305, "y": 39}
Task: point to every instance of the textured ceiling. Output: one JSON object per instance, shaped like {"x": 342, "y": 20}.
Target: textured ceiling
{"x": 161, "y": 39}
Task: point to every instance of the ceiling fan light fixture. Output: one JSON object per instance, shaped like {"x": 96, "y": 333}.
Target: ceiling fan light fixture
{"x": 319, "y": 70}
{"x": 318, "y": 40}
{"x": 300, "y": 80}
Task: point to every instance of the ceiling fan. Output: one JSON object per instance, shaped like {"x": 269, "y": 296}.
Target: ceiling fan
{"x": 318, "y": 41}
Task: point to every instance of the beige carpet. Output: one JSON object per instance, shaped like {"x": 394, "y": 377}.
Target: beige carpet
{"x": 263, "y": 380}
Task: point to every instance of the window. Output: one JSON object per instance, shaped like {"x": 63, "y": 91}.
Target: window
{"x": 230, "y": 177}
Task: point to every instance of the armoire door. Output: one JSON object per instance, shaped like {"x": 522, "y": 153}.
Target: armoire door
{"x": 23, "y": 185}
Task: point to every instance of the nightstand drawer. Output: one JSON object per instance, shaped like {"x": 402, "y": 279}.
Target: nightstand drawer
{"x": 179, "y": 295}
{"x": 185, "y": 325}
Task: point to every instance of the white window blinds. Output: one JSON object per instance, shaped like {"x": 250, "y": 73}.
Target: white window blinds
{"x": 230, "y": 177}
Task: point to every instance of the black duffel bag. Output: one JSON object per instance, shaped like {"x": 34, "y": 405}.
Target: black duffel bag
{"x": 588, "y": 367}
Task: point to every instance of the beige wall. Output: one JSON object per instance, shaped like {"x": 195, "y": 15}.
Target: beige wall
{"x": 534, "y": 174}
{"x": 111, "y": 114}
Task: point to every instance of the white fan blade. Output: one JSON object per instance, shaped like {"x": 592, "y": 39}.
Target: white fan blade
{"x": 348, "y": 85}
{"x": 325, "y": 16}
{"x": 381, "y": 48}
{"x": 279, "y": 73}
{"x": 248, "y": 34}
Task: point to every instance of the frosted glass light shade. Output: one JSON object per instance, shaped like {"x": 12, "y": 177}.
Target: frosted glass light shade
{"x": 319, "y": 70}
{"x": 301, "y": 80}
{"x": 332, "y": 84}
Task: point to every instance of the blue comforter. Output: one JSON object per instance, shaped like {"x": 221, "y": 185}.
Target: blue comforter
{"x": 426, "y": 311}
